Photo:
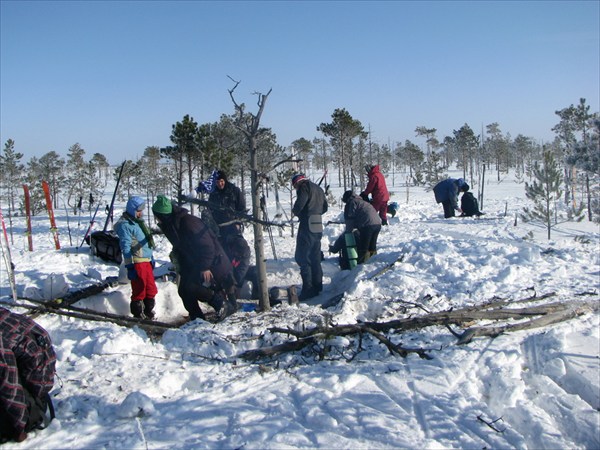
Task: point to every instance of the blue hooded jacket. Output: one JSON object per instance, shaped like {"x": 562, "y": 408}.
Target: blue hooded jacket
{"x": 447, "y": 190}
{"x": 134, "y": 243}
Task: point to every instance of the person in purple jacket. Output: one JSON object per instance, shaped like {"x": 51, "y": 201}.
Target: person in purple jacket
{"x": 446, "y": 192}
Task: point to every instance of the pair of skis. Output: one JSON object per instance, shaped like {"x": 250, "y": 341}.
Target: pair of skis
{"x": 50, "y": 209}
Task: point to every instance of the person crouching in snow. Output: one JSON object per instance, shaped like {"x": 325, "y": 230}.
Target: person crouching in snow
{"x": 360, "y": 215}
{"x": 205, "y": 271}
{"x": 446, "y": 193}
{"x": 469, "y": 205}
{"x": 136, "y": 245}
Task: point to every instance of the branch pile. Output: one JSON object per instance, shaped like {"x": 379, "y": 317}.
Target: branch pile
{"x": 514, "y": 318}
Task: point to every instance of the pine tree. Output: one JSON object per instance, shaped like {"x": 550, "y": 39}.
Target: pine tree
{"x": 545, "y": 190}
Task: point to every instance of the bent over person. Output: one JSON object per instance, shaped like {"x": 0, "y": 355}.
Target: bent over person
{"x": 27, "y": 368}
{"x": 446, "y": 193}
{"x": 205, "y": 271}
{"x": 136, "y": 245}
{"x": 309, "y": 206}
{"x": 360, "y": 215}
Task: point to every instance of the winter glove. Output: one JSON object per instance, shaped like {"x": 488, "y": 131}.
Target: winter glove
{"x": 153, "y": 263}
{"x": 131, "y": 272}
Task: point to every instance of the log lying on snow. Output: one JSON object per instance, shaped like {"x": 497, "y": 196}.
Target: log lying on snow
{"x": 73, "y": 297}
{"x": 535, "y": 316}
{"x": 150, "y": 326}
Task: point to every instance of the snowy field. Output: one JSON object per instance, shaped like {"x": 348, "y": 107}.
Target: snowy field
{"x": 119, "y": 388}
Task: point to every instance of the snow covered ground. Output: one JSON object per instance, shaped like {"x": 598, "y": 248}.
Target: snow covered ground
{"x": 118, "y": 388}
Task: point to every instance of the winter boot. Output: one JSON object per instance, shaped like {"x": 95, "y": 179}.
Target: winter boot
{"x": 149, "y": 308}
{"x": 217, "y": 302}
{"x": 137, "y": 309}
{"x": 232, "y": 302}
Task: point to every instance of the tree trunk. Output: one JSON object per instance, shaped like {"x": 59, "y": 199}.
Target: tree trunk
{"x": 259, "y": 250}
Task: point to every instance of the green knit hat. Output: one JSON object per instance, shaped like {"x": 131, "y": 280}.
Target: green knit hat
{"x": 162, "y": 205}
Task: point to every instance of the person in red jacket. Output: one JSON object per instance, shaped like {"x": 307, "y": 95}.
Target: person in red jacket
{"x": 378, "y": 190}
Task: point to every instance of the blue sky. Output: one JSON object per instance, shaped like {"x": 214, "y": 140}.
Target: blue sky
{"x": 114, "y": 76}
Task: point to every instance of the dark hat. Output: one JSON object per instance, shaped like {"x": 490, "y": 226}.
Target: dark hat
{"x": 347, "y": 196}
{"x": 297, "y": 178}
{"x": 162, "y": 205}
{"x": 221, "y": 175}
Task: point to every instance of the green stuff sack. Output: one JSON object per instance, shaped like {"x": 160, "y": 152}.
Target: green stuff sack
{"x": 351, "y": 251}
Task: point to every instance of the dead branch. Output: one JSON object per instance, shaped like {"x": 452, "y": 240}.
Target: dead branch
{"x": 569, "y": 312}
{"x": 396, "y": 349}
{"x": 491, "y": 424}
{"x": 291, "y": 346}
{"x": 150, "y": 326}
{"x": 532, "y": 317}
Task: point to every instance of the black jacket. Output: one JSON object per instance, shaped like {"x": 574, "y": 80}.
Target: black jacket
{"x": 195, "y": 246}
{"x": 225, "y": 202}
{"x": 358, "y": 213}
{"x": 310, "y": 201}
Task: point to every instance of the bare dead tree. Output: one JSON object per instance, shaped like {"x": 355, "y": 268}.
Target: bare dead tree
{"x": 249, "y": 125}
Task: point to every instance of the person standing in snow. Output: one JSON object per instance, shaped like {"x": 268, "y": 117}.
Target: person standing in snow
{"x": 205, "y": 271}
{"x": 136, "y": 245}
{"x": 360, "y": 215}
{"x": 226, "y": 202}
{"x": 309, "y": 206}
{"x": 27, "y": 369}
{"x": 378, "y": 190}
{"x": 446, "y": 193}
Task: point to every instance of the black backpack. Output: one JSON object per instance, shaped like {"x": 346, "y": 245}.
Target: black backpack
{"x": 469, "y": 205}
{"x": 105, "y": 245}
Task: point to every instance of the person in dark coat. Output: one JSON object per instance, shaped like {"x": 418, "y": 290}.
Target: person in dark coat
{"x": 378, "y": 190}
{"x": 224, "y": 202}
{"x": 309, "y": 207}
{"x": 446, "y": 193}
{"x": 27, "y": 370}
{"x": 360, "y": 215}
{"x": 205, "y": 271}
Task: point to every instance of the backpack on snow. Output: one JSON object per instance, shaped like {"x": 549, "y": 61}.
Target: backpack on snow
{"x": 469, "y": 205}
{"x": 27, "y": 351}
{"x": 105, "y": 245}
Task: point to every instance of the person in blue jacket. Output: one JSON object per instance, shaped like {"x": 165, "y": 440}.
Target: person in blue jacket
{"x": 446, "y": 192}
{"x": 136, "y": 244}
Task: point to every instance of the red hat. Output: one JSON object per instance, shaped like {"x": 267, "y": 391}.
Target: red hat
{"x": 297, "y": 178}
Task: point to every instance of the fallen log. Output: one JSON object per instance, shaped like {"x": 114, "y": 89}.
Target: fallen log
{"x": 72, "y": 297}
{"x": 151, "y": 326}
{"x": 531, "y": 317}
